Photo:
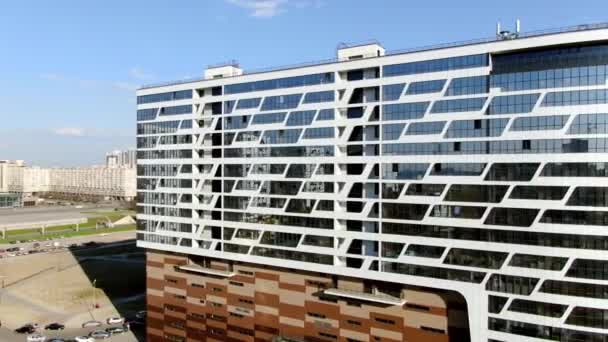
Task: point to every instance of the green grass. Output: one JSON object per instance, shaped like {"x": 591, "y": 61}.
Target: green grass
{"x": 67, "y": 234}
{"x": 102, "y": 216}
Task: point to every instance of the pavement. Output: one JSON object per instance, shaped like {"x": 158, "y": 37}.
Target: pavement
{"x": 7, "y": 335}
{"x": 41, "y": 214}
{"x": 31, "y": 308}
{"x": 100, "y": 238}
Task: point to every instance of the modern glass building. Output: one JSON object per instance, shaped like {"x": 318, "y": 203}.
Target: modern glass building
{"x": 450, "y": 193}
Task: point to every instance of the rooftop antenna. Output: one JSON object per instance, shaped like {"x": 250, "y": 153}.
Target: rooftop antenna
{"x": 506, "y": 34}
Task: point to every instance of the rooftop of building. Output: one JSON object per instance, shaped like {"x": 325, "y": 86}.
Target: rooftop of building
{"x": 497, "y": 38}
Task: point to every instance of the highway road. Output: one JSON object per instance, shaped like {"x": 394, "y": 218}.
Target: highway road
{"x": 40, "y": 214}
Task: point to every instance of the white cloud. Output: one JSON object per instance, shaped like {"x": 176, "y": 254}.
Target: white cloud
{"x": 69, "y": 131}
{"x": 91, "y": 83}
{"x": 140, "y": 74}
{"x": 125, "y": 86}
{"x": 52, "y": 77}
{"x": 261, "y": 8}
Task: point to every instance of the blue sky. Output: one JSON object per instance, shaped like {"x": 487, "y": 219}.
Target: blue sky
{"x": 68, "y": 69}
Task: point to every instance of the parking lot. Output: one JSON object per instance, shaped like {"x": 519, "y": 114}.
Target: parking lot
{"x": 49, "y": 281}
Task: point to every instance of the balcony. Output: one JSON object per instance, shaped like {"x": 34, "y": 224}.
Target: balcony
{"x": 367, "y": 297}
{"x": 206, "y": 271}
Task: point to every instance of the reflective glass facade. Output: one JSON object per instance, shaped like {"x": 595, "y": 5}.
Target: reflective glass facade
{"x": 482, "y": 173}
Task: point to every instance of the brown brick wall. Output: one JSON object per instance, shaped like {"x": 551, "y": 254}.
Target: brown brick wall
{"x": 220, "y": 309}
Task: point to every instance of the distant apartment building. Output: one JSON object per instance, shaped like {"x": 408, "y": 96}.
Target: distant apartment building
{"x": 95, "y": 182}
{"x": 127, "y": 158}
{"x": 100, "y": 182}
{"x": 449, "y": 193}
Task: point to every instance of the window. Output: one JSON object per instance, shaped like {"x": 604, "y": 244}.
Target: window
{"x": 575, "y": 98}
{"x": 320, "y": 96}
{"x": 589, "y": 196}
{"x": 588, "y": 317}
{"x": 268, "y": 118}
{"x": 392, "y": 92}
{"x": 518, "y": 217}
{"x": 509, "y": 104}
{"x": 404, "y": 211}
{"x": 425, "y": 87}
{"x": 392, "y": 131}
{"x": 539, "y": 123}
{"x": 592, "y": 218}
{"x": 467, "y": 86}
{"x": 475, "y": 258}
{"x": 146, "y": 114}
{"x": 589, "y": 124}
{"x": 287, "y": 82}
{"x": 325, "y": 114}
{"x": 457, "y": 211}
{"x": 538, "y": 261}
{"x": 512, "y": 172}
{"x": 404, "y": 170}
{"x": 458, "y": 169}
{"x": 423, "y": 128}
{"x": 162, "y": 97}
{"x": 543, "y": 331}
{"x": 443, "y": 64}
{"x": 550, "y": 193}
{"x": 476, "y": 128}
{"x": 300, "y": 118}
{"x": 281, "y": 136}
{"x": 404, "y": 111}
{"x": 458, "y": 105}
{"x": 589, "y": 269}
{"x": 319, "y": 133}
{"x": 424, "y": 251}
{"x": 248, "y": 103}
{"x": 422, "y": 189}
{"x": 511, "y": 284}
{"x": 281, "y": 102}
{"x": 575, "y": 170}
{"x": 433, "y": 272}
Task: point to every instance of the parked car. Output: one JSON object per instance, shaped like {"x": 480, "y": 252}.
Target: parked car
{"x": 36, "y": 338}
{"x": 84, "y": 339}
{"x": 26, "y": 329}
{"x": 141, "y": 314}
{"x": 91, "y": 324}
{"x": 116, "y": 330}
{"x": 56, "y": 339}
{"x": 115, "y": 320}
{"x": 54, "y": 326}
{"x": 100, "y": 334}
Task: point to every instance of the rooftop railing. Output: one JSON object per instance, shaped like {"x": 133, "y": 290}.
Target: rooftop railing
{"x": 538, "y": 33}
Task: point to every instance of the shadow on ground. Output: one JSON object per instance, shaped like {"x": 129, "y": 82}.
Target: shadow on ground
{"x": 119, "y": 272}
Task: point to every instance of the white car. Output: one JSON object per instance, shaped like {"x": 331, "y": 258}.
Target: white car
{"x": 100, "y": 334}
{"x": 36, "y": 338}
{"x": 116, "y": 320}
{"x": 91, "y": 324}
{"x": 84, "y": 339}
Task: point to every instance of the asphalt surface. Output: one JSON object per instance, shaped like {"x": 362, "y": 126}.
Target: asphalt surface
{"x": 100, "y": 238}
{"x": 7, "y": 335}
{"x": 43, "y": 214}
